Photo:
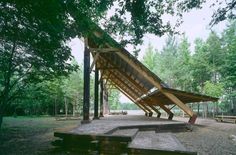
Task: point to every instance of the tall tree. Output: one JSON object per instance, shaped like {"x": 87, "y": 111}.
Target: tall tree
{"x": 214, "y": 55}
{"x": 151, "y": 58}
{"x": 183, "y": 76}
{"x": 199, "y": 66}
{"x": 168, "y": 61}
{"x": 32, "y": 46}
{"x": 229, "y": 65}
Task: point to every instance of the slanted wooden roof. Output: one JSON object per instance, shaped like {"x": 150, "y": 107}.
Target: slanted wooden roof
{"x": 185, "y": 97}
{"x": 123, "y": 71}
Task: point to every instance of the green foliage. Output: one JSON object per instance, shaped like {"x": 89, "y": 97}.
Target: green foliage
{"x": 145, "y": 16}
{"x": 229, "y": 47}
{"x": 167, "y": 61}
{"x": 224, "y": 12}
{"x": 33, "y": 46}
{"x": 150, "y": 59}
{"x": 182, "y": 65}
{"x": 213, "y": 89}
{"x": 113, "y": 99}
{"x": 209, "y": 69}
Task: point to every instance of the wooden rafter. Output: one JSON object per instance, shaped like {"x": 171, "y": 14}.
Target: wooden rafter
{"x": 120, "y": 81}
{"x": 104, "y": 50}
{"x": 127, "y": 95}
{"x": 156, "y": 110}
{"x": 179, "y": 103}
{"x": 139, "y": 70}
{"x": 128, "y": 77}
{"x": 154, "y": 101}
{"x": 95, "y": 58}
{"x": 135, "y": 79}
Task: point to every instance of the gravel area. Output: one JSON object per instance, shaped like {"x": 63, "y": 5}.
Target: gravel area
{"x": 209, "y": 137}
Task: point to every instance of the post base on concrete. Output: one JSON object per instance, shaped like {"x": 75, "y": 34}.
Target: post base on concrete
{"x": 85, "y": 121}
{"x": 171, "y": 116}
{"x": 150, "y": 114}
{"x": 192, "y": 119}
{"x": 95, "y": 118}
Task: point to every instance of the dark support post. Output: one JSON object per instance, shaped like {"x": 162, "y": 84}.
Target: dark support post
{"x": 101, "y": 98}
{"x": 192, "y": 119}
{"x": 96, "y": 85}
{"x": 86, "y": 86}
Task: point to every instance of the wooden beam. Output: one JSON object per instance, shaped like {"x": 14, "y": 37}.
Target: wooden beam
{"x": 179, "y": 103}
{"x": 136, "y": 88}
{"x": 104, "y": 50}
{"x": 182, "y": 106}
{"x": 126, "y": 89}
{"x": 141, "y": 105}
{"x": 135, "y": 84}
{"x": 128, "y": 96}
{"x": 95, "y": 58}
{"x": 140, "y": 71}
{"x": 120, "y": 81}
{"x": 122, "y": 72}
{"x": 162, "y": 106}
{"x": 156, "y": 110}
{"x": 150, "y": 113}
{"x": 189, "y": 94}
{"x": 86, "y": 42}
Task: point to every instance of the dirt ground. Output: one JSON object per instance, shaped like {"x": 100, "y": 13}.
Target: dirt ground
{"x": 209, "y": 137}
{"x": 31, "y": 136}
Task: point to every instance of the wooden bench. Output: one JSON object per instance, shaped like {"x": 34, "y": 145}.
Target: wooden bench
{"x": 222, "y": 118}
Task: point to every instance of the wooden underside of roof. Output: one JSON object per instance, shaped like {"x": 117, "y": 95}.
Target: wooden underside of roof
{"x": 119, "y": 69}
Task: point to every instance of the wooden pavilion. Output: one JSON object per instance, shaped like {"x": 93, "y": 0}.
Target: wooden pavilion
{"x": 119, "y": 69}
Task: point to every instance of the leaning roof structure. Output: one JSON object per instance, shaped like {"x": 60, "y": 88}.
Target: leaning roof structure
{"x": 123, "y": 71}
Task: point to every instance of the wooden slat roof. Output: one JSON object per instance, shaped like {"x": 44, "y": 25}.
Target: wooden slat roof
{"x": 121, "y": 69}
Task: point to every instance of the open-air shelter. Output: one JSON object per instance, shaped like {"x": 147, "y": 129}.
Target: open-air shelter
{"x": 121, "y": 70}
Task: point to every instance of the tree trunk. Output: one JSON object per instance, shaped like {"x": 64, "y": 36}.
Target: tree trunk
{"x": 66, "y": 107}
{"x": 74, "y": 108}
{"x": 1, "y": 119}
{"x": 6, "y": 84}
{"x": 198, "y": 108}
{"x": 55, "y": 106}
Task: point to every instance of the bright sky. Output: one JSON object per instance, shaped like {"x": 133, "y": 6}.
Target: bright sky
{"x": 195, "y": 25}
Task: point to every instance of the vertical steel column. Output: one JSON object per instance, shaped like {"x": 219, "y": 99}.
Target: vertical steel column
{"x": 101, "y": 98}
{"x": 86, "y": 99}
{"x": 96, "y": 90}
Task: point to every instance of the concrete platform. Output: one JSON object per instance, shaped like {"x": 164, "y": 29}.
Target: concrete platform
{"x": 106, "y": 124}
{"x": 125, "y": 135}
{"x": 159, "y": 141}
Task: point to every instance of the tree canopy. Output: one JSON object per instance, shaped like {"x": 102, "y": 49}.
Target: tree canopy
{"x": 34, "y": 35}
{"x": 209, "y": 68}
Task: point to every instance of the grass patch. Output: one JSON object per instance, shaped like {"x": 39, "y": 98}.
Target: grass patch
{"x": 30, "y": 135}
